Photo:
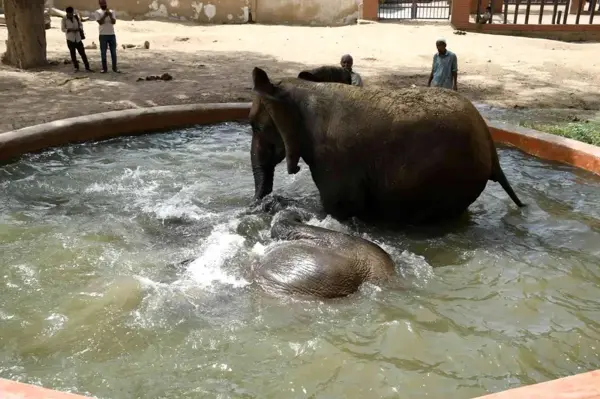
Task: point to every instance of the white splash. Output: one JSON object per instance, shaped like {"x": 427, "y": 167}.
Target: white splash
{"x": 258, "y": 249}
{"x": 179, "y": 206}
{"x": 221, "y": 246}
{"x": 130, "y": 180}
{"x": 143, "y": 191}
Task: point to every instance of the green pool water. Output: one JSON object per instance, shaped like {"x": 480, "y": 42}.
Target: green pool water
{"x": 90, "y": 302}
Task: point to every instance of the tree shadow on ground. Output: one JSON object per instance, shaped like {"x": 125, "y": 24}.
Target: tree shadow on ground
{"x": 57, "y": 92}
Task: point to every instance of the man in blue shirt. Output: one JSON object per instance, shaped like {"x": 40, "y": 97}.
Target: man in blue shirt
{"x": 444, "y": 71}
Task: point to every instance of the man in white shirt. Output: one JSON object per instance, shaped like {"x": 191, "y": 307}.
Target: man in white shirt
{"x": 72, "y": 27}
{"x": 106, "y": 28}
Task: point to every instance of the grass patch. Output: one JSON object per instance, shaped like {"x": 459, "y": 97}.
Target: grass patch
{"x": 585, "y": 131}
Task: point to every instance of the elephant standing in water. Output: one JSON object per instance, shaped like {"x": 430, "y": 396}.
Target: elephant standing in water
{"x": 399, "y": 156}
{"x": 318, "y": 262}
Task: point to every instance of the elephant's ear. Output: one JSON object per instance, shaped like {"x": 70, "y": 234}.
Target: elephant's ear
{"x": 305, "y": 75}
{"x": 262, "y": 84}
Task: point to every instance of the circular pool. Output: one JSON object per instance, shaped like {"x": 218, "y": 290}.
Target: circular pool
{"x": 92, "y": 299}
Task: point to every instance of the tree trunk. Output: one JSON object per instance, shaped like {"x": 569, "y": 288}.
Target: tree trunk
{"x": 26, "y": 44}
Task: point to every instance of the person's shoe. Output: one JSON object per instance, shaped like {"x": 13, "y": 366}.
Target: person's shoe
{"x": 76, "y": 70}
{"x": 116, "y": 71}
{"x": 89, "y": 69}
{"x": 103, "y": 71}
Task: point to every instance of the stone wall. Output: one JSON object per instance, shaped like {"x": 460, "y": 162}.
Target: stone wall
{"x": 223, "y": 11}
{"x": 297, "y": 12}
{"x": 307, "y": 12}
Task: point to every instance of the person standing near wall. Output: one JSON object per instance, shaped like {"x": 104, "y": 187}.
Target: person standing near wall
{"x": 108, "y": 40}
{"x": 444, "y": 71}
{"x": 72, "y": 27}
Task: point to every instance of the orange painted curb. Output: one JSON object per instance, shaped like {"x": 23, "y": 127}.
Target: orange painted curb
{"x": 112, "y": 124}
{"x": 548, "y": 146}
{"x": 107, "y": 125}
{"x": 17, "y": 390}
{"x": 579, "y": 386}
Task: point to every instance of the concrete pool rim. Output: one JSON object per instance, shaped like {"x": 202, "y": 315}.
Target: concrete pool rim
{"x": 130, "y": 122}
{"x": 579, "y": 386}
{"x": 113, "y": 124}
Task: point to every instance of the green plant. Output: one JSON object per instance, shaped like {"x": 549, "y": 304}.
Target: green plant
{"x": 586, "y": 131}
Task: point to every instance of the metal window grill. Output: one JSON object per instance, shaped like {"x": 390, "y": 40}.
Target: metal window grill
{"x": 414, "y": 9}
{"x": 541, "y": 12}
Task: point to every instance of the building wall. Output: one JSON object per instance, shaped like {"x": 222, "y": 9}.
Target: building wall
{"x": 311, "y": 12}
{"x": 215, "y": 11}
{"x": 301, "y": 12}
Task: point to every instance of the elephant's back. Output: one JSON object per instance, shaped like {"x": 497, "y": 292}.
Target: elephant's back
{"x": 358, "y": 119}
{"x": 302, "y": 267}
{"x": 383, "y": 103}
{"x": 406, "y": 126}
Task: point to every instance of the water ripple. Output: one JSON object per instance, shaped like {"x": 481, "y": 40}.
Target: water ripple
{"x": 93, "y": 299}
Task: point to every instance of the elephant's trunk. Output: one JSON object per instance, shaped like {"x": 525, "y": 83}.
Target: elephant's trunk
{"x": 262, "y": 167}
{"x": 263, "y": 181}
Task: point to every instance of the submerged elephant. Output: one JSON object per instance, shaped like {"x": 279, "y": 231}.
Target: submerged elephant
{"x": 319, "y": 262}
{"x": 399, "y": 156}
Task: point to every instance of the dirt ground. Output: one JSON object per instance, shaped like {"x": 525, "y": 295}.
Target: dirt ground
{"x": 214, "y": 64}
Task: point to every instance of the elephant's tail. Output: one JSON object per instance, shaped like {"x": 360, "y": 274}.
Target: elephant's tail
{"x": 499, "y": 176}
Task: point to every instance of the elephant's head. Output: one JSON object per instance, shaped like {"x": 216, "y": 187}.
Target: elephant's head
{"x": 269, "y": 146}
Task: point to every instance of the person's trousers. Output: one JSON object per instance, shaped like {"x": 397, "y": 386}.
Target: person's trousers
{"x": 81, "y": 50}
{"x": 110, "y": 42}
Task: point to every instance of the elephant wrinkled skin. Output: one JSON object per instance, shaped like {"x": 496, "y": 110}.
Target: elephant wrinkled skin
{"x": 397, "y": 156}
{"x": 317, "y": 262}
